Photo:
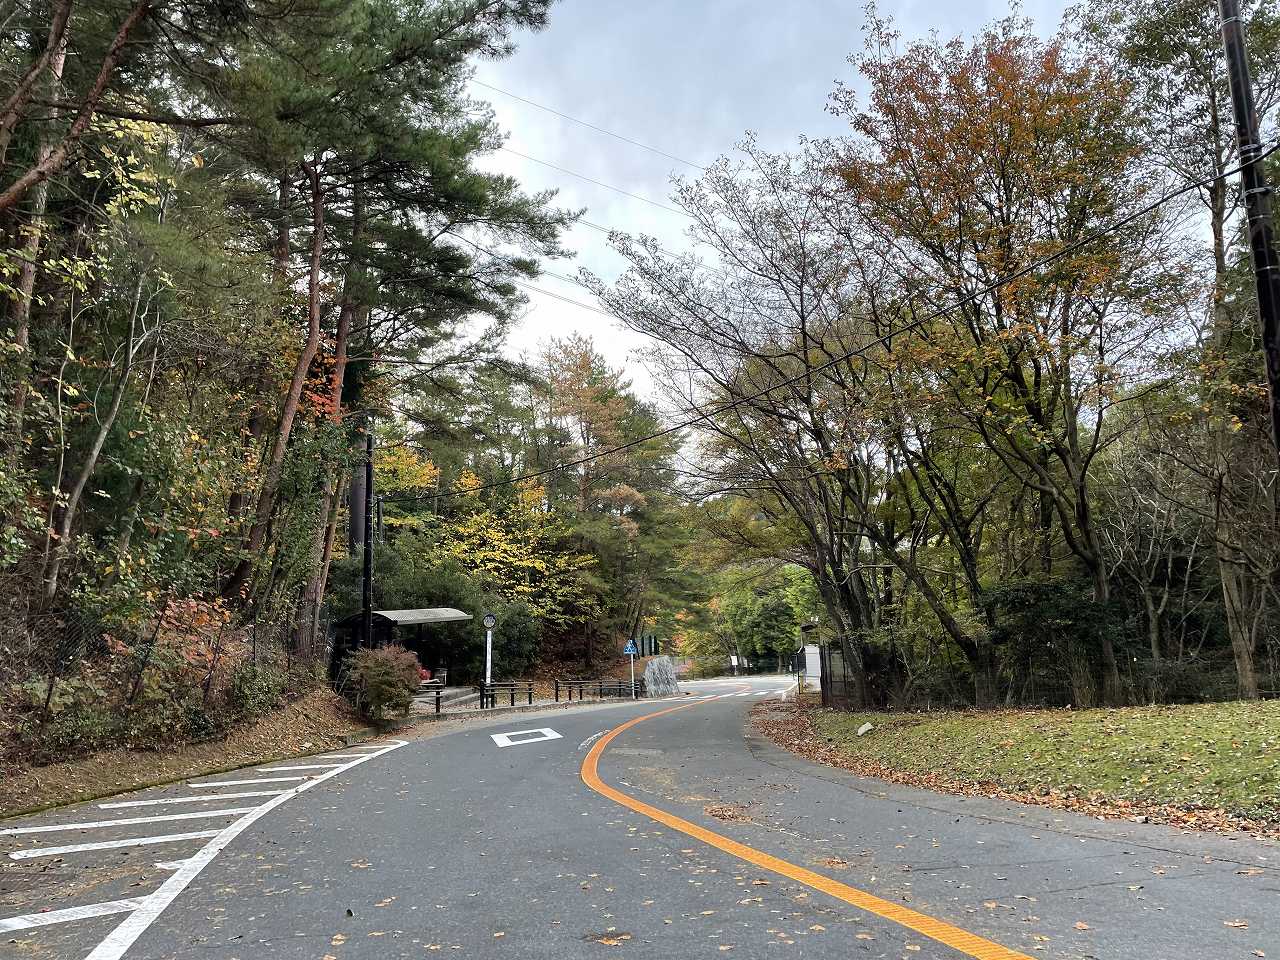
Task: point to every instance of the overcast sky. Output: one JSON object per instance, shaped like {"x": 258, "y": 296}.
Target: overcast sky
{"x": 687, "y": 77}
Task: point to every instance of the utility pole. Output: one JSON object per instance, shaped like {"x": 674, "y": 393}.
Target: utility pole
{"x": 1257, "y": 200}
{"x": 366, "y": 607}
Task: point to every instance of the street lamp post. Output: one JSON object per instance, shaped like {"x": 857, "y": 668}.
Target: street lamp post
{"x": 490, "y": 621}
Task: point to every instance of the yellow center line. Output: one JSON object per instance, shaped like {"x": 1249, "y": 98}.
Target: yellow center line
{"x": 945, "y": 933}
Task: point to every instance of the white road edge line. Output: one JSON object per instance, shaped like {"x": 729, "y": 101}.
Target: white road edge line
{"x": 125, "y": 822}
{"x": 28, "y": 920}
{"x": 122, "y": 804}
{"x": 303, "y": 766}
{"x": 114, "y": 945}
{"x": 243, "y": 783}
{"x": 35, "y": 852}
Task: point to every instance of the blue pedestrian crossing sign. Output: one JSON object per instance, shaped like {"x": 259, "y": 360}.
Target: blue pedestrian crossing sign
{"x": 630, "y": 648}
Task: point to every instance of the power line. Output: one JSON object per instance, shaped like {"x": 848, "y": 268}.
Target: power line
{"x": 592, "y": 126}
{"x": 859, "y": 351}
{"x": 670, "y": 253}
{"x": 577, "y": 303}
{"x": 598, "y": 183}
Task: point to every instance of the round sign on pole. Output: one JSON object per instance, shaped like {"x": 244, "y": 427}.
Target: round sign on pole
{"x": 489, "y": 621}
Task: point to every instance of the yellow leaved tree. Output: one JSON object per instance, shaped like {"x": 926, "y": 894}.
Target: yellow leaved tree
{"x": 520, "y": 549}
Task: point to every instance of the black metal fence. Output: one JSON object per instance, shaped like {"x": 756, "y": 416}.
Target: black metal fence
{"x": 834, "y": 681}
{"x": 510, "y": 691}
{"x": 566, "y": 689}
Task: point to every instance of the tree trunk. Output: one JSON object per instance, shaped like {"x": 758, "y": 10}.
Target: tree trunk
{"x": 280, "y": 282}
{"x": 323, "y": 545}
{"x": 304, "y": 634}
{"x": 31, "y": 249}
{"x": 238, "y": 582}
{"x": 1239, "y": 586}
{"x": 58, "y": 156}
{"x": 51, "y": 57}
{"x": 1237, "y": 596}
{"x": 66, "y": 522}
{"x": 1153, "y": 625}
{"x": 1112, "y": 688}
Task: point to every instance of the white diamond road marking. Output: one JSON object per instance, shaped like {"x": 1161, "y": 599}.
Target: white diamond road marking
{"x": 527, "y": 736}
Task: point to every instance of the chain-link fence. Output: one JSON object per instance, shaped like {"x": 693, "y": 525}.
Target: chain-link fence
{"x": 71, "y": 681}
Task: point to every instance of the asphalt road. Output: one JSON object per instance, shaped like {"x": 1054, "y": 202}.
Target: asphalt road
{"x": 681, "y": 835}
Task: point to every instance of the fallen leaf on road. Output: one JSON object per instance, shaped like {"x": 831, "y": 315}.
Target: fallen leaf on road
{"x": 728, "y": 812}
{"x": 1238, "y": 924}
{"x": 1081, "y": 925}
{"x": 338, "y": 939}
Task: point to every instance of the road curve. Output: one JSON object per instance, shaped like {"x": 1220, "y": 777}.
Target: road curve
{"x": 650, "y": 830}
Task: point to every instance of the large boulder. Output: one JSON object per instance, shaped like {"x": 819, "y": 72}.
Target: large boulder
{"x": 660, "y": 678}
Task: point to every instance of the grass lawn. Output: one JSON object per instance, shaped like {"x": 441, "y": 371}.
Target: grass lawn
{"x": 1221, "y": 755}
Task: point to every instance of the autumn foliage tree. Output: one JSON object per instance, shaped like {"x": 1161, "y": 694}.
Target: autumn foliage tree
{"x": 919, "y": 350}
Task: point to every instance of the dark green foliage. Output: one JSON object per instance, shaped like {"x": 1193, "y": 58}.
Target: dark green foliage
{"x": 255, "y": 690}
{"x": 1048, "y": 631}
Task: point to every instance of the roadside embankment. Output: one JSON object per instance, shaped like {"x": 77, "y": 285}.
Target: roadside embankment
{"x": 1206, "y": 766}
{"x": 318, "y": 721}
